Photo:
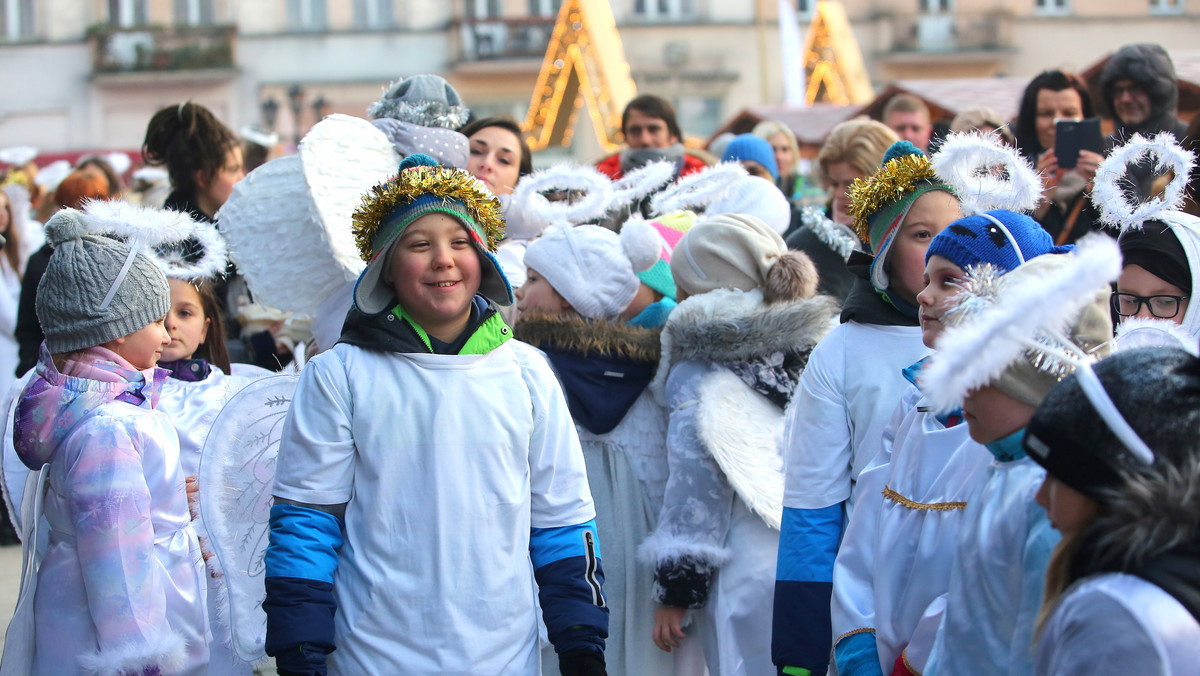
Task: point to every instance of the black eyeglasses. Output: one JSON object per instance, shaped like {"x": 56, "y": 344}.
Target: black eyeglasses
{"x": 1163, "y": 307}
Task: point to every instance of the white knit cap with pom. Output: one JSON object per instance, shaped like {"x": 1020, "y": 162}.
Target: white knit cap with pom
{"x": 587, "y": 266}
{"x": 758, "y": 197}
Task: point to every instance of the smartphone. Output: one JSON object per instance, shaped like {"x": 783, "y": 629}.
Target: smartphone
{"x": 1070, "y": 137}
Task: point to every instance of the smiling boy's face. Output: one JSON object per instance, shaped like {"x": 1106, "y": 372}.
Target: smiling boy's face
{"x": 434, "y": 271}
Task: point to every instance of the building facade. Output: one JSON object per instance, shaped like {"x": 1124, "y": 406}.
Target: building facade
{"x": 88, "y": 74}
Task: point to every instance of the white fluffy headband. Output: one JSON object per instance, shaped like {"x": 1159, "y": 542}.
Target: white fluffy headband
{"x": 1109, "y": 193}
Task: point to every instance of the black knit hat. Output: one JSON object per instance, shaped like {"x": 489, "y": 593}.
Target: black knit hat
{"x": 1156, "y": 390}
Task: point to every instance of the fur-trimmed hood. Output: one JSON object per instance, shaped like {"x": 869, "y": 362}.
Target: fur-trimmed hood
{"x": 604, "y": 366}
{"x": 1150, "y": 67}
{"x": 576, "y": 334}
{"x": 726, "y": 325}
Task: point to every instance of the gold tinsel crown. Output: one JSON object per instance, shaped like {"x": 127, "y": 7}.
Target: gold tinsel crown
{"x": 413, "y": 182}
{"x": 895, "y": 178}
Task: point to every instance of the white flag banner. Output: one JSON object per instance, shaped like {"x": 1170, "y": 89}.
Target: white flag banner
{"x": 791, "y": 55}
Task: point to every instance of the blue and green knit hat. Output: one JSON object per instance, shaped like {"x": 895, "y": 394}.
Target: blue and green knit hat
{"x": 880, "y": 203}
{"x": 421, "y": 187}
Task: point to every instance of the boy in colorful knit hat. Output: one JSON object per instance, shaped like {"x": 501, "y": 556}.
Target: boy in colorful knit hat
{"x": 429, "y": 471}
{"x": 854, "y": 380}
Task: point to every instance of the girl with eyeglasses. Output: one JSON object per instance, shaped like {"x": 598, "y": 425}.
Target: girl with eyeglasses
{"x": 1160, "y": 261}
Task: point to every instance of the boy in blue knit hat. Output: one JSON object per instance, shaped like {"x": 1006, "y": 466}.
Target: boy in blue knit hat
{"x": 429, "y": 471}
{"x": 836, "y": 419}
{"x": 894, "y": 563}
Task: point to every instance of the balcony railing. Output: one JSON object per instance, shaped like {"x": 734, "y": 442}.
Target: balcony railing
{"x": 949, "y": 32}
{"x": 155, "y": 48}
{"x": 490, "y": 39}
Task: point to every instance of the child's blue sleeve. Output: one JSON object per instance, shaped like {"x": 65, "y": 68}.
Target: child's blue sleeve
{"x": 300, "y": 562}
{"x": 802, "y": 631}
{"x": 858, "y": 655}
{"x": 566, "y": 565}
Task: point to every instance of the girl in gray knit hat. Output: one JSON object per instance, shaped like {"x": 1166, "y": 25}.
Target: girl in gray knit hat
{"x": 120, "y": 584}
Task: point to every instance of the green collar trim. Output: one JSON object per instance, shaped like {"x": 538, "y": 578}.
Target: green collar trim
{"x": 491, "y": 333}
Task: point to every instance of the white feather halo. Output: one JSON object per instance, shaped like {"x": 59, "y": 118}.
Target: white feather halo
{"x": 136, "y": 225}
{"x": 183, "y": 247}
{"x": 642, "y": 181}
{"x": 971, "y": 163}
{"x": 1027, "y": 309}
{"x": 696, "y": 191}
{"x": 1138, "y": 332}
{"x": 596, "y": 189}
{"x": 1109, "y": 195}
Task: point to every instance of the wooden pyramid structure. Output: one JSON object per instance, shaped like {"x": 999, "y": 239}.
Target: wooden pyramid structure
{"x": 833, "y": 64}
{"x": 584, "y": 65}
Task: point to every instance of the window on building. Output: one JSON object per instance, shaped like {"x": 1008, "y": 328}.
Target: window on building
{"x": 307, "y": 15}
{"x": 374, "y": 15}
{"x": 932, "y": 6}
{"x": 1166, "y": 6}
{"x": 698, "y": 115}
{"x": 16, "y": 20}
{"x": 544, "y": 7}
{"x": 194, "y": 12}
{"x": 664, "y": 10}
{"x": 484, "y": 9}
{"x": 1053, "y": 6}
{"x": 127, "y": 13}
{"x": 805, "y": 8}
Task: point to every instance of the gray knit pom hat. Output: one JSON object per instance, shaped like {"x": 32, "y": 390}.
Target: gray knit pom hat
{"x": 425, "y": 100}
{"x": 79, "y": 277}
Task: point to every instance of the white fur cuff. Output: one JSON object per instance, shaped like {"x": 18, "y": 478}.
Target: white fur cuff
{"x": 167, "y": 651}
{"x": 662, "y": 547}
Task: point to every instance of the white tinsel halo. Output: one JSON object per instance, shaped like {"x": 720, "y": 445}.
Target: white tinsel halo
{"x": 696, "y": 191}
{"x": 968, "y": 163}
{"x": 1109, "y": 196}
{"x": 642, "y": 181}
{"x": 1030, "y": 309}
{"x": 596, "y": 189}
{"x": 641, "y": 243}
{"x": 18, "y": 155}
{"x": 1138, "y": 332}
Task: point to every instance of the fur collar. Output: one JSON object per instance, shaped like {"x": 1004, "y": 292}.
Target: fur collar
{"x": 575, "y": 334}
{"x": 730, "y": 325}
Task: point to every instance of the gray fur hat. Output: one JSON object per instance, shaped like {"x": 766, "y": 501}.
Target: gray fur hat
{"x": 79, "y": 278}
{"x": 426, "y": 100}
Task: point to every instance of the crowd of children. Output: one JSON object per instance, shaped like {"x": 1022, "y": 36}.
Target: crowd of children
{"x": 664, "y": 452}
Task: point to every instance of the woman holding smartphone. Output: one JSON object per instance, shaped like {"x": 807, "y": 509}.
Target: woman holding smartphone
{"x": 1053, "y": 96}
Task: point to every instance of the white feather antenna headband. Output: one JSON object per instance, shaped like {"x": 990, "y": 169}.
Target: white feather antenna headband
{"x": 696, "y": 191}
{"x": 596, "y": 189}
{"x": 1033, "y": 315}
{"x": 974, "y": 165}
{"x": 641, "y": 182}
{"x": 1109, "y": 193}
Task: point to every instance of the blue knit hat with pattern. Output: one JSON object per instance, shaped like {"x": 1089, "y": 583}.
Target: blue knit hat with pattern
{"x": 753, "y": 148}
{"x": 978, "y": 239}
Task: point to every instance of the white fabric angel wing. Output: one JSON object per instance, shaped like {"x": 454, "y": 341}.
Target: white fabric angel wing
{"x": 742, "y": 430}
{"x": 237, "y": 472}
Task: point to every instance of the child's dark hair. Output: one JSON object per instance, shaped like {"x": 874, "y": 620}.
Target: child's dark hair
{"x": 213, "y": 350}
{"x": 187, "y": 138}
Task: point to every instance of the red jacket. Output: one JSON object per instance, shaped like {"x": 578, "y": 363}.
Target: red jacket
{"x": 611, "y": 165}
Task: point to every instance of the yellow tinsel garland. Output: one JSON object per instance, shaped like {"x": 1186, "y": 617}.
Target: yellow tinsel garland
{"x": 444, "y": 182}
{"x": 888, "y": 185}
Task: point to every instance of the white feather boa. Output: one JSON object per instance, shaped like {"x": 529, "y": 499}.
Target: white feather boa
{"x": 973, "y": 164}
{"x": 1109, "y": 194}
{"x": 1029, "y": 306}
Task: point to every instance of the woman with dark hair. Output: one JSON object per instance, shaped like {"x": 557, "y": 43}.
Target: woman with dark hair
{"x": 203, "y": 157}
{"x": 1066, "y": 212}
{"x": 499, "y": 155}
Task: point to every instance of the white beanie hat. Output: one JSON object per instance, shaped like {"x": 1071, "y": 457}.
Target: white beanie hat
{"x": 587, "y": 266}
{"x": 754, "y": 196}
